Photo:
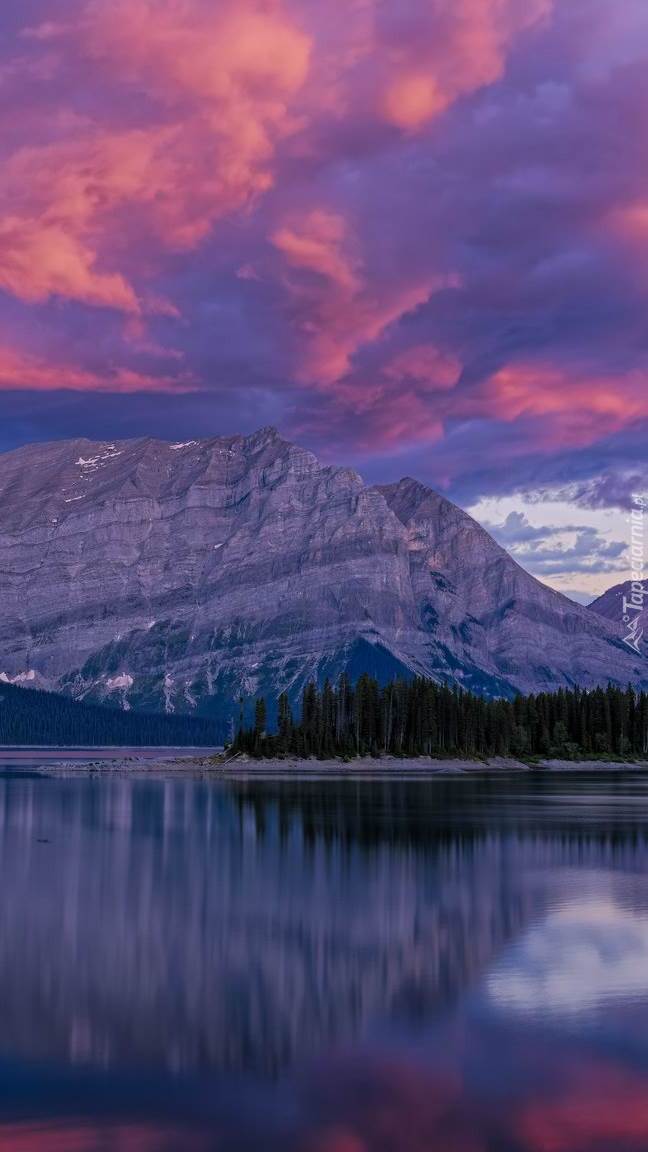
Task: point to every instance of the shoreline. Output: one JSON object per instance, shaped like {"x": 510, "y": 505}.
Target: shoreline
{"x": 384, "y": 768}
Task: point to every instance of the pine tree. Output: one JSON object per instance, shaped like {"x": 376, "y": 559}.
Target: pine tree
{"x": 284, "y": 722}
{"x": 260, "y": 721}
{"x": 420, "y": 717}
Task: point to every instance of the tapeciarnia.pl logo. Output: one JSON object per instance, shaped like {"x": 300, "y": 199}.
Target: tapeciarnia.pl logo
{"x": 632, "y": 605}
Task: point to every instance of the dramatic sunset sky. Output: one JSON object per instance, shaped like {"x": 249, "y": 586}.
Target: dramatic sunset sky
{"x": 413, "y": 234}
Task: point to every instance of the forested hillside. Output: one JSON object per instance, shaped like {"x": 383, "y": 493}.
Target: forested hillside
{"x": 31, "y": 717}
{"x": 422, "y": 718}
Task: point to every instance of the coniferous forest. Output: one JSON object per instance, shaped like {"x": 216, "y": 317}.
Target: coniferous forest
{"x": 422, "y": 718}
{"x": 403, "y": 718}
{"x": 31, "y": 717}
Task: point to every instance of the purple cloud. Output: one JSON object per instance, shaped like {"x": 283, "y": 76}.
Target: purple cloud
{"x": 414, "y": 236}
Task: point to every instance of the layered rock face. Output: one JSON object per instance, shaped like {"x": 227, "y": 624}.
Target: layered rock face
{"x": 501, "y": 624}
{"x": 181, "y": 576}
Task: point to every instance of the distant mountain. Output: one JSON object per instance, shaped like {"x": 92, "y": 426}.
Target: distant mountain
{"x": 43, "y": 718}
{"x": 610, "y": 604}
{"x": 181, "y": 576}
{"x": 629, "y": 619}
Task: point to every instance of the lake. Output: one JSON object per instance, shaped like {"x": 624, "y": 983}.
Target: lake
{"x": 452, "y": 965}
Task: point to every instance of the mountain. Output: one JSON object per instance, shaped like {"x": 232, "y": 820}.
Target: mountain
{"x": 47, "y": 719}
{"x": 181, "y": 576}
{"x": 628, "y": 611}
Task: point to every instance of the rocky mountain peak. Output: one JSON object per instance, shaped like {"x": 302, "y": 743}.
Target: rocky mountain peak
{"x": 182, "y": 575}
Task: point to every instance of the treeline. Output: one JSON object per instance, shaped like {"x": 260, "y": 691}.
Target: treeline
{"x": 422, "y": 718}
{"x": 31, "y": 717}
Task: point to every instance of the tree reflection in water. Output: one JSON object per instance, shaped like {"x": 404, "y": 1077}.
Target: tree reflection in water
{"x": 332, "y": 966}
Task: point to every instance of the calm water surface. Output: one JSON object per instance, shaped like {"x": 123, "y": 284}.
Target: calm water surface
{"x": 324, "y": 966}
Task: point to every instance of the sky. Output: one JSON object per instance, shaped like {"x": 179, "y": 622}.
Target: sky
{"x": 412, "y": 234}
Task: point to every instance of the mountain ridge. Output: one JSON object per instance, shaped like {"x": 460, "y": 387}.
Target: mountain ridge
{"x": 183, "y": 575}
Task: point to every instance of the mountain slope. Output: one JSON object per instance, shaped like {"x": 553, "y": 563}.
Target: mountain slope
{"x": 490, "y": 615}
{"x": 182, "y": 576}
{"x": 628, "y": 612}
{"x": 44, "y": 718}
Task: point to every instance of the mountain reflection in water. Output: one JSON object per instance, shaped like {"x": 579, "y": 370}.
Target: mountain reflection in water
{"x": 324, "y": 966}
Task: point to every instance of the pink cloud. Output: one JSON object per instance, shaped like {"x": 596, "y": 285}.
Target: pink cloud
{"x": 420, "y": 392}
{"x": 631, "y": 220}
{"x": 460, "y": 48}
{"x": 243, "y": 58}
{"x": 413, "y": 98}
{"x": 214, "y": 90}
{"x": 318, "y": 243}
{"x": 178, "y": 135}
{"x": 40, "y": 259}
{"x": 625, "y": 229}
{"x": 405, "y": 65}
{"x": 337, "y": 309}
{"x": 57, "y": 202}
{"x": 579, "y": 406}
{"x": 435, "y": 370}
{"x": 19, "y": 370}
{"x": 560, "y": 407}
{"x": 218, "y": 85}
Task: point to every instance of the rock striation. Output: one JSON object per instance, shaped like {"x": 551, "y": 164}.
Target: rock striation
{"x": 182, "y": 576}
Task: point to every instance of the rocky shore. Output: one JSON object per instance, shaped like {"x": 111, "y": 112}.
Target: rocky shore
{"x": 237, "y": 767}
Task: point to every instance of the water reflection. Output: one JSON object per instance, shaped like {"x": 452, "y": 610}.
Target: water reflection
{"x": 323, "y": 967}
{"x": 82, "y": 1137}
{"x": 194, "y": 926}
{"x": 579, "y": 958}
